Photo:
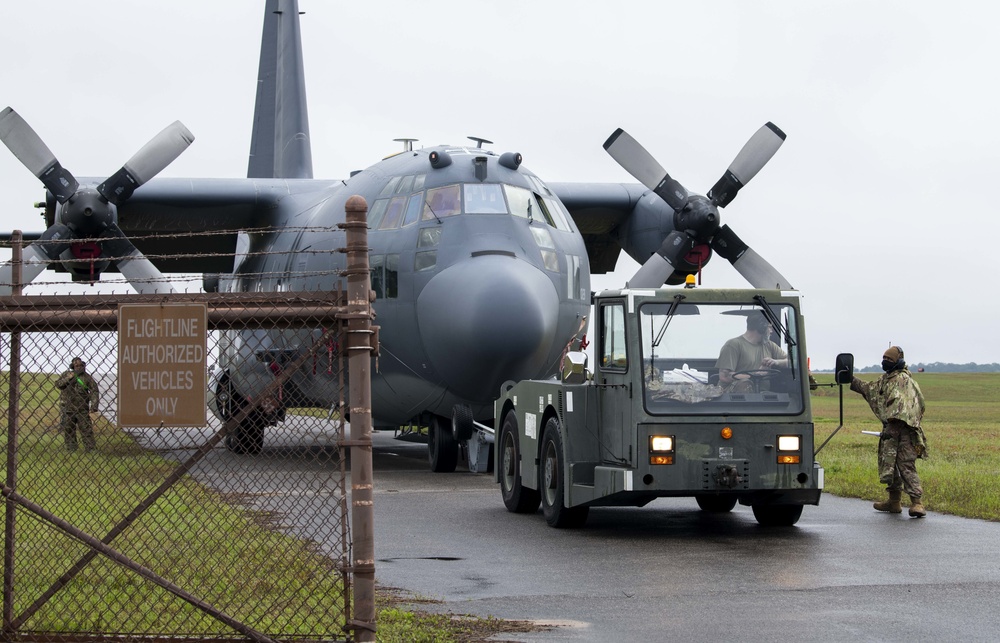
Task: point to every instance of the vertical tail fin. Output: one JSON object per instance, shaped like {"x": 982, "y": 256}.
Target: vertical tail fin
{"x": 280, "y": 145}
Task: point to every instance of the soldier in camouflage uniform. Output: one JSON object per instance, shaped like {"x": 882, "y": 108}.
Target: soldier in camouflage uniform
{"x": 896, "y": 400}
{"x": 78, "y": 399}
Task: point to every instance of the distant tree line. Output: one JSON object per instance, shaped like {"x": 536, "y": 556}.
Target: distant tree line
{"x": 939, "y": 367}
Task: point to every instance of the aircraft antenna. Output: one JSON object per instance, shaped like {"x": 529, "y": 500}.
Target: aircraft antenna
{"x": 479, "y": 141}
{"x": 407, "y": 143}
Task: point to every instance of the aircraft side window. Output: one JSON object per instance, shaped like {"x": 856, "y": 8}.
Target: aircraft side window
{"x": 519, "y": 200}
{"x": 544, "y": 240}
{"x": 376, "y": 212}
{"x": 376, "y": 265}
{"x": 613, "y": 353}
{"x": 574, "y": 280}
{"x": 558, "y": 213}
{"x": 391, "y": 276}
{"x": 442, "y": 202}
{"x": 540, "y": 187}
{"x": 429, "y": 237}
{"x": 393, "y": 214}
{"x": 541, "y": 211}
{"x": 542, "y": 237}
{"x": 418, "y": 182}
{"x": 413, "y": 209}
{"x": 389, "y": 187}
{"x": 405, "y": 185}
{"x": 486, "y": 198}
{"x": 425, "y": 260}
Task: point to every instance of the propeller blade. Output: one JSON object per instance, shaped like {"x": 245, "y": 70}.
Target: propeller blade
{"x": 660, "y": 266}
{"x": 29, "y": 148}
{"x": 754, "y": 155}
{"x": 639, "y": 163}
{"x": 754, "y": 268}
{"x": 155, "y": 155}
{"x": 37, "y": 257}
{"x": 134, "y": 266}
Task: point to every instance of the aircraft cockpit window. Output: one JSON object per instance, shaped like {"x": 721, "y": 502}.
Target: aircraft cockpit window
{"x": 486, "y": 198}
{"x": 429, "y": 237}
{"x": 442, "y": 202}
{"x": 375, "y": 213}
{"x": 541, "y": 210}
{"x": 542, "y": 237}
{"x": 545, "y": 245}
{"x": 519, "y": 200}
{"x": 393, "y": 214}
{"x": 405, "y": 185}
{"x": 558, "y": 213}
{"x": 540, "y": 187}
{"x": 413, "y": 207}
{"x": 424, "y": 260}
{"x": 389, "y": 187}
{"x": 418, "y": 182}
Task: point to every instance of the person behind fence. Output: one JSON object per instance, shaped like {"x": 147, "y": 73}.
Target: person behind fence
{"x": 78, "y": 398}
{"x": 751, "y": 351}
{"x": 896, "y": 400}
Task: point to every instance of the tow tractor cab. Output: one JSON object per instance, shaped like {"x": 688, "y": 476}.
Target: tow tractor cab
{"x": 654, "y": 419}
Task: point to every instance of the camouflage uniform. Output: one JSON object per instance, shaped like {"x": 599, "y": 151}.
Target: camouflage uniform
{"x": 78, "y": 398}
{"x": 896, "y": 400}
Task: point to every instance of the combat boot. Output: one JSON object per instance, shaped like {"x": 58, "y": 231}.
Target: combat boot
{"x": 892, "y": 505}
{"x": 916, "y": 507}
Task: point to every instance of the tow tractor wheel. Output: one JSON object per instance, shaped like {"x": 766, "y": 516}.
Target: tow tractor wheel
{"x": 777, "y": 515}
{"x": 516, "y": 498}
{"x": 442, "y": 449}
{"x": 552, "y": 482}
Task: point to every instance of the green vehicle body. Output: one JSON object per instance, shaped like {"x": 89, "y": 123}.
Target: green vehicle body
{"x": 586, "y": 439}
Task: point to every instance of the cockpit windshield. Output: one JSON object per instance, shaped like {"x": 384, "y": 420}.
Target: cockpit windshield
{"x": 476, "y": 198}
{"x": 720, "y": 359}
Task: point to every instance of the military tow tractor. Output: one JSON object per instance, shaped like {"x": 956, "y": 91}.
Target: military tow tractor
{"x": 653, "y": 419}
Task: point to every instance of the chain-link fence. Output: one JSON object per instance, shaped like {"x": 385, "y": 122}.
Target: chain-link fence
{"x": 175, "y": 463}
{"x": 236, "y": 528}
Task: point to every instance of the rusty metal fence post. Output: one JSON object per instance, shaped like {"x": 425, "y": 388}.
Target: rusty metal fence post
{"x": 12, "y": 424}
{"x": 359, "y": 347}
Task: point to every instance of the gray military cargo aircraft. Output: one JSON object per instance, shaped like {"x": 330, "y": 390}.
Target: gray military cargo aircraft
{"x": 481, "y": 270}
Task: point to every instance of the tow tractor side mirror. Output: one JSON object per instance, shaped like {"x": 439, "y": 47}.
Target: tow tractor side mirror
{"x": 844, "y": 368}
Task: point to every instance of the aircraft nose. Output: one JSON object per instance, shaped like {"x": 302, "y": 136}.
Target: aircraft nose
{"x": 486, "y": 320}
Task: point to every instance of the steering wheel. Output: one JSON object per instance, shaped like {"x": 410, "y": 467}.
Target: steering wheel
{"x": 758, "y": 373}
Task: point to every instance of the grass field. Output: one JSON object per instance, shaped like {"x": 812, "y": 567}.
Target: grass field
{"x": 961, "y": 474}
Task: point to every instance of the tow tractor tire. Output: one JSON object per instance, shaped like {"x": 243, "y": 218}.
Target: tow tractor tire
{"x": 552, "y": 482}
{"x": 716, "y": 504}
{"x": 777, "y": 515}
{"x": 461, "y": 422}
{"x": 516, "y": 498}
{"x": 442, "y": 449}
{"x": 248, "y": 436}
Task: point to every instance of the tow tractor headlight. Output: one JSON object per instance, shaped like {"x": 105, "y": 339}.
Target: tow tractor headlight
{"x": 789, "y": 449}
{"x": 661, "y": 449}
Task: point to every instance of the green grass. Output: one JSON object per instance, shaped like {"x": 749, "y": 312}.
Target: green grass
{"x": 210, "y": 545}
{"x": 960, "y": 476}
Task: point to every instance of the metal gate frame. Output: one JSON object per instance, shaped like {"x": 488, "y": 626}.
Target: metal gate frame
{"x": 350, "y": 314}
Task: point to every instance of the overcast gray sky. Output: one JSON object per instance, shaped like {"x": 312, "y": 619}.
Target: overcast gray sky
{"x": 879, "y": 207}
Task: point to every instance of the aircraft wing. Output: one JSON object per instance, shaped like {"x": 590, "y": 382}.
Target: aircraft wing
{"x": 598, "y": 209}
{"x": 196, "y": 221}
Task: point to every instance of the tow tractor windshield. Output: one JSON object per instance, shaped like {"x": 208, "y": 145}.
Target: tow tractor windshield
{"x": 720, "y": 358}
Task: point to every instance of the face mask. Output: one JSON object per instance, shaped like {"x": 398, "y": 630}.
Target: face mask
{"x": 888, "y": 365}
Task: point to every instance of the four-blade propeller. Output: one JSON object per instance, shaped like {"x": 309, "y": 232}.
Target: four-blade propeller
{"x": 696, "y": 218}
{"x": 87, "y": 214}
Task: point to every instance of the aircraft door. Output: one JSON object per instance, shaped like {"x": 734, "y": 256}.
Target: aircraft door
{"x": 615, "y": 403}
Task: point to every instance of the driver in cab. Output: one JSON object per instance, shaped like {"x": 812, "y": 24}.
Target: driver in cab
{"x": 749, "y": 356}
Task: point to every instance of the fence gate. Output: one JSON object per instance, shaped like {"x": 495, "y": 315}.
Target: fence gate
{"x": 207, "y": 532}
